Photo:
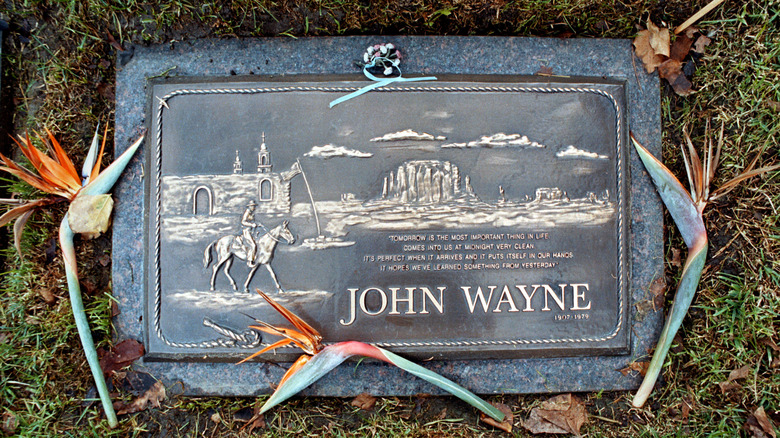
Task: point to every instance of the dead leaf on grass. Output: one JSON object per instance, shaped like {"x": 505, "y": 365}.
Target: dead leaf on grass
{"x": 10, "y": 423}
{"x": 657, "y": 290}
{"x": 731, "y": 384}
{"x": 701, "y": 42}
{"x": 671, "y": 70}
{"x": 680, "y": 48}
{"x": 638, "y": 367}
{"x": 774, "y": 105}
{"x": 150, "y": 398}
{"x": 652, "y": 46}
{"x": 257, "y": 421}
{"x": 676, "y": 259}
{"x": 122, "y": 355}
{"x": 364, "y": 401}
{"x": 111, "y": 40}
{"x": 758, "y": 425}
{"x": 505, "y": 425}
{"x": 561, "y": 414}
{"x": 769, "y": 342}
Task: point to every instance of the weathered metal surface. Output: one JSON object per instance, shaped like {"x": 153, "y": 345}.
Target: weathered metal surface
{"x": 215, "y": 127}
{"x": 494, "y": 212}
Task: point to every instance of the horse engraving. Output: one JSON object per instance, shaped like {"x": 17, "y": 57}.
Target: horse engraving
{"x": 229, "y": 246}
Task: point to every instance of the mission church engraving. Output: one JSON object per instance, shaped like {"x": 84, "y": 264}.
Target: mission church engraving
{"x": 228, "y": 193}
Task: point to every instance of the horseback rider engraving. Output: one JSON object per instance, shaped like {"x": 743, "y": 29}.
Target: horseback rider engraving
{"x": 249, "y": 225}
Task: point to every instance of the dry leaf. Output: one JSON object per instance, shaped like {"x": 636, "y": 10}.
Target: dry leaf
{"x": 676, "y": 259}
{"x": 47, "y": 295}
{"x": 111, "y": 40}
{"x": 9, "y": 423}
{"x": 769, "y": 342}
{"x": 671, "y": 70}
{"x": 730, "y": 384}
{"x": 681, "y": 47}
{"x": 90, "y": 215}
{"x": 657, "y": 290}
{"x": 758, "y": 425}
{"x": 150, "y": 398}
{"x": 364, "y": 401}
{"x": 505, "y": 425}
{"x": 544, "y": 71}
{"x": 774, "y": 105}
{"x": 765, "y": 422}
{"x": 120, "y": 356}
{"x": 659, "y": 39}
{"x": 560, "y": 414}
{"x": 638, "y": 367}
{"x": 257, "y": 421}
{"x": 775, "y": 363}
{"x": 645, "y": 51}
{"x": 701, "y": 42}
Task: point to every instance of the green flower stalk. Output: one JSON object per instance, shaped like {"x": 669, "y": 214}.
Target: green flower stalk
{"x": 686, "y": 209}
{"x": 89, "y": 214}
{"x": 319, "y": 360}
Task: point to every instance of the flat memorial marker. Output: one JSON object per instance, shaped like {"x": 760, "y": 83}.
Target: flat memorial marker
{"x": 491, "y": 222}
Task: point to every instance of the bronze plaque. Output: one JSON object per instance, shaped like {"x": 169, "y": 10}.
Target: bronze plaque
{"x": 467, "y": 217}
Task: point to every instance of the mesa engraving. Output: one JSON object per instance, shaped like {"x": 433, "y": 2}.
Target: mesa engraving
{"x": 452, "y": 219}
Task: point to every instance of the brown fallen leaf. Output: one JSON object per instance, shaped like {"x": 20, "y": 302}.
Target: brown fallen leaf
{"x": 150, "y": 398}
{"x": 730, "y": 383}
{"x": 652, "y": 46}
{"x": 47, "y": 295}
{"x": 671, "y": 70}
{"x": 765, "y": 422}
{"x": 364, "y": 401}
{"x": 676, "y": 259}
{"x": 638, "y": 367}
{"x": 758, "y": 425}
{"x": 701, "y": 42}
{"x": 775, "y": 363}
{"x": 769, "y": 342}
{"x": 681, "y": 47}
{"x": 111, "y": 40}
{"x": 120, "y": 356}
{"x": 257, "y": 421}
{"x": 505, "y": 425}
{"x": 657, "y": 290}
{"x": 774, "y": 105}
{"x": 544, "y": 71}
{"x": 9, "y": 423}
{"x": 561, "y": 414}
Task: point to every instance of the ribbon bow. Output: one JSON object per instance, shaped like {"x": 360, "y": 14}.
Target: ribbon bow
{"x": 387, "y": 56}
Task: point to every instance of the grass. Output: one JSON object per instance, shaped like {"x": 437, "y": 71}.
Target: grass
{"x": 58, "y": 69}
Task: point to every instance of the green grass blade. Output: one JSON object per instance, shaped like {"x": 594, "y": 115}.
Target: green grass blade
{"x": 77, "y": 305}
{"x": 444, "y": 383}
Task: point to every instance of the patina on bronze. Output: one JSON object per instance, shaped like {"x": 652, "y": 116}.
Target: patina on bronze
{"x": 468, "y": 217}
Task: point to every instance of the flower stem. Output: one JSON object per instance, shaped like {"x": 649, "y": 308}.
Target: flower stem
{"x": 74, "y": 290}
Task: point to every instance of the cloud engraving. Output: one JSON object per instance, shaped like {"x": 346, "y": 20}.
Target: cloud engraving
{"x": 329, "y": 151}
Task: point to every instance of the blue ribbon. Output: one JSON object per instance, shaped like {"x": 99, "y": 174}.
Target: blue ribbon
{"x": 378, "y": 82}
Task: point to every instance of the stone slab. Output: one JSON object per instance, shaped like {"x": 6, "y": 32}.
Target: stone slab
{"x": 601, "y": 62}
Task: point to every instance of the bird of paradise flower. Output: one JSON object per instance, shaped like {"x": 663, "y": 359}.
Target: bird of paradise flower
{"x": 86, "y": 193}
{"x": 319, "y": 359}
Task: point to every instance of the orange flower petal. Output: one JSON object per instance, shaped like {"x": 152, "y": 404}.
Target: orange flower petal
{"x": 62, "y": 157}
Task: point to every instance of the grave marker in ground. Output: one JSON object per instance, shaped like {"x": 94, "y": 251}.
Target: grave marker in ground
{"x": 493, "y": 220}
